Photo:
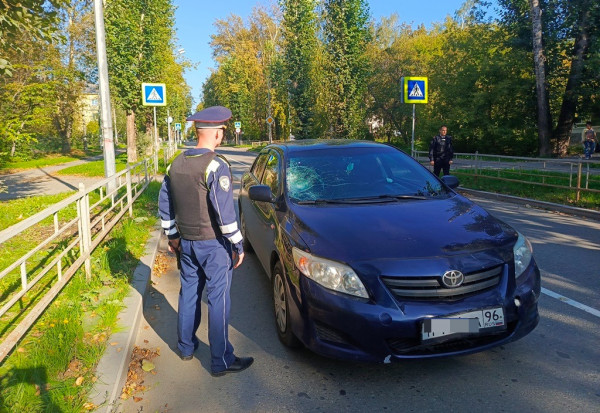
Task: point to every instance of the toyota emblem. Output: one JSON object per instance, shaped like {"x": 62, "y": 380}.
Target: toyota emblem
{"x": 453, "y": 279}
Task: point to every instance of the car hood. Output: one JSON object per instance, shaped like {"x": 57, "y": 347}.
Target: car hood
{"x": 418, "y": 230}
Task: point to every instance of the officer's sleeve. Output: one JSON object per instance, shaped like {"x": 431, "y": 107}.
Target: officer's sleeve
{"x": 166, "y": 210}
{"x": 451, "y": 149}
{"x": 218, "y": 180}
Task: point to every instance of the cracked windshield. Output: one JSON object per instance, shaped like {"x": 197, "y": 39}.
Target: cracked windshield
{"x": 358, "y": 176}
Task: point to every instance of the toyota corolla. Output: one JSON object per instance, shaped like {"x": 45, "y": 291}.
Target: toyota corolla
{"x": 372, "y": 257}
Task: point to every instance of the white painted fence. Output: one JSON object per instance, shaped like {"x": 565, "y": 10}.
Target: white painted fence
{"x": 46, "y": 267}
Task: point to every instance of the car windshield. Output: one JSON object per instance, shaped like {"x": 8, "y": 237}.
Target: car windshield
{"x": 336, "y": 174}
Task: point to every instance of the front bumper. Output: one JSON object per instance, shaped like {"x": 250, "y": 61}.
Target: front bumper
{"x": 339, "y": 326}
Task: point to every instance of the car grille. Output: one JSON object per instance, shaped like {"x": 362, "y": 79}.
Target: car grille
{"x": 428, "y": 288}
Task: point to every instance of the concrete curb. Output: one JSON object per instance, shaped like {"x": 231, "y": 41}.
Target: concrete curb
{"x": 112, "y": 369}
{"x": 582, "y": 212}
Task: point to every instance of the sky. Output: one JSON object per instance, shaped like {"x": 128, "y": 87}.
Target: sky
{"x": 195, "y": 22}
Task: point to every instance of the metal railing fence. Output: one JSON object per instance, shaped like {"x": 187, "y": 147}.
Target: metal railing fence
{"x": 577, "y": 175}
{"x": 60, "y": 240}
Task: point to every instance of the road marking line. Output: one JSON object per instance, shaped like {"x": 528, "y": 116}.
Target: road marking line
{"x": 574, "y": 303}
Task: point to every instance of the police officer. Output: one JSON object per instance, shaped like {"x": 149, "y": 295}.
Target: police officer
{"x": 198, "y": 216}
{"x": 441, "y": 152}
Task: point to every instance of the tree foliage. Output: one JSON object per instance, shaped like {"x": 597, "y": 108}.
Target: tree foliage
{"x": 22, "y": 19}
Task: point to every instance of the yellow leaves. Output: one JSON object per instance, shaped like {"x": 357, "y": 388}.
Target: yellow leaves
{"x": 89, "y": 406}
{"x": 79, "y": 381}
{"x": 147, "y": 366}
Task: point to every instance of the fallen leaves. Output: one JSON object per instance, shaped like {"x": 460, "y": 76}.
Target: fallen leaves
{"x": 161, "y": 263}
{"x": 139, "y": 365}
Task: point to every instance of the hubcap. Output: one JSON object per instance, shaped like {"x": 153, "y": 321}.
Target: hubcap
{"x": 279, "y": 301}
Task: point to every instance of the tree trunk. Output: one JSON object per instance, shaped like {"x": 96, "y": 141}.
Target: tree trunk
{"x": 566, "y": 118}
{"x": 131, "y": 138}
{"x": 541, "y": 86}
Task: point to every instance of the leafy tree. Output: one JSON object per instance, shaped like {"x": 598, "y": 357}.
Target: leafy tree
{"x": 570, "y": 31}
{"x": 346, "y": 37}
{"x": 25, "y": 18}
{"x": 27, "y": 97}
{"x": 300, "y": 45}
{"x": 139, "y": 37}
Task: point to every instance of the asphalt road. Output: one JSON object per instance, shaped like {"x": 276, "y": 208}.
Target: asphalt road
{"x": 554, "y": 369}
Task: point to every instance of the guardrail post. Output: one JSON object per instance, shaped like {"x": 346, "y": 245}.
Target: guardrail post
{"x": 578, "y": 181}
{"x": 85, "y": 233}
{"x": 476, "y": 165}
{"x": 129, "y": 196}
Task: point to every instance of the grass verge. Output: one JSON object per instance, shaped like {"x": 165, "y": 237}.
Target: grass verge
{"x": 52, "y": 368}
{"x": 495, "y": 181}
{"x": 7, "y": 166}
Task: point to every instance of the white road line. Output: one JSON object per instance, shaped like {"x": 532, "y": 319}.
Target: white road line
{"x": 574, "y": 303}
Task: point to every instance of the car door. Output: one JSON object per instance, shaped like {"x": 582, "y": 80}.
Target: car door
{"x": 248, "y": 209}
{"x": 264, "y": 237}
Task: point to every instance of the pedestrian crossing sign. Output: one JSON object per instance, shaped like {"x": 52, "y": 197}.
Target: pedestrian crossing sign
{"x": 414, "y": 89}
{"x": 154, "y": 94}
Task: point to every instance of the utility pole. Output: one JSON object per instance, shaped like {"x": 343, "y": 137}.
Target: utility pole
{"x": 106, "y": 123}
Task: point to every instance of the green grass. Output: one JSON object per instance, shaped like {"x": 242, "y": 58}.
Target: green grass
{"x": 52, "y": 368}
{"x": 8, "y": 166}
{"x": 14, "y": 211}
{"x": 94, "y": 168}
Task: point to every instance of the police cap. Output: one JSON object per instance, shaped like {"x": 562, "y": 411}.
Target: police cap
{"x": 213, "y": 117}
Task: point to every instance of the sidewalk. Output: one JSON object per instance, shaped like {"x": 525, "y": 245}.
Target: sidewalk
{"x": 44, "y": 181}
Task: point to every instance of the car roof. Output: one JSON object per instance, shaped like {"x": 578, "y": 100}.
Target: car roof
{"x": 318, "y": 144}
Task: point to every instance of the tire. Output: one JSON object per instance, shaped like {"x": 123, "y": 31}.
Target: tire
{"x": 281, "y": 310}
{"x": 246, "y": 243}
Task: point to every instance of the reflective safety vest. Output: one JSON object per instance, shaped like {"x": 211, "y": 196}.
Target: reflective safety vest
{"x": 195, "y": 217}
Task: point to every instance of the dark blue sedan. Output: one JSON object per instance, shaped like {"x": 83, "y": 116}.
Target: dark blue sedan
{"x": 372, "y": 257}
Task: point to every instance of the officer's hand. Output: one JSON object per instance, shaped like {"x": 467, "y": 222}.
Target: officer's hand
{"x": 450, "y": 162}
{"x": 431, "y": 162}
{"x": 174, "y": 245}
{"x": 238, "y": 259}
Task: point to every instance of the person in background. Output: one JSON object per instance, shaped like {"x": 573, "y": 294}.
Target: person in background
{"x": 441, "y": 152}
{"x": 197, "y": 213}
{"x": 589, "y": 140}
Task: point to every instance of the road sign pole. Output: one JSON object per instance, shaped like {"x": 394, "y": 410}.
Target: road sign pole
{"x": 412, "y": 141}
{"x": 155, "y": 143}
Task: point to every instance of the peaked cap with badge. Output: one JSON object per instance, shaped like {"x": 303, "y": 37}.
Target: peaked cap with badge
{"x": 213, "y": 117}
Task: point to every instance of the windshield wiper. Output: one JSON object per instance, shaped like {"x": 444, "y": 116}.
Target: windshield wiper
{"x": 362, "y": 200}
{"x": 319, "y": 201}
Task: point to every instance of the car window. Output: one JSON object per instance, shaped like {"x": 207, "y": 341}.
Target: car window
{"x": 350, "y": 173}
{"x": 271, "y": 175}
{"x": 259, "y": 165}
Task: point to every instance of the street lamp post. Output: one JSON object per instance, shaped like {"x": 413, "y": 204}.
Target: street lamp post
{"x": 106, "y": 123}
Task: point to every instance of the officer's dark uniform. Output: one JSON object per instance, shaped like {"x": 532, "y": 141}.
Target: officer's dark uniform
{"x": 441, "y": 153}
{"x": 196, "y": 204}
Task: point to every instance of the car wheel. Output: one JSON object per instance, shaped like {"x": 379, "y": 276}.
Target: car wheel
{"x": 281, "y": 310}
{"x": 246, "y": 243}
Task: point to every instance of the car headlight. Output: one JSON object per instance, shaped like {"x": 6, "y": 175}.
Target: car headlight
{"x": 330, "y": 274}
{"x": 523, "y": 253}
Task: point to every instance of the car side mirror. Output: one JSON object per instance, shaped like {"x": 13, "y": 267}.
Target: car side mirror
{"x": 261, "y": 193}
{"x": 450, "y": 180}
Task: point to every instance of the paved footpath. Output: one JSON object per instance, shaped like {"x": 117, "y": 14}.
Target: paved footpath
{"x": 44, "y": 181}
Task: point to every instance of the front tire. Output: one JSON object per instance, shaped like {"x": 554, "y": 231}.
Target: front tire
{"x": 281, "y": 310}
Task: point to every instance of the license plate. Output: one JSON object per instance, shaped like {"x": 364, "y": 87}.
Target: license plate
{"x": 465, "y": 323}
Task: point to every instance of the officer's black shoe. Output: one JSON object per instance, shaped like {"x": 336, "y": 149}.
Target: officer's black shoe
{"x": 191, "y": 356}
{"x": 238, "y": 365}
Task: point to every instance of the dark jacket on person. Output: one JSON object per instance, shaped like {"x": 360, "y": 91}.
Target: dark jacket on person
{"x": 441, "y": 148}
